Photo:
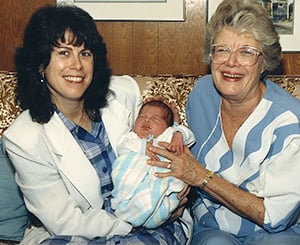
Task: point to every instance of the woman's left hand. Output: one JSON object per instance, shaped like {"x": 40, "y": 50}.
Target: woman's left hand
{"x": 184, "y": 167}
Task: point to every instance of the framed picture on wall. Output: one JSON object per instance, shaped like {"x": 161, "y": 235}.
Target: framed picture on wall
{"x": 286, "y": 18}
{"x": 140, "y": 10}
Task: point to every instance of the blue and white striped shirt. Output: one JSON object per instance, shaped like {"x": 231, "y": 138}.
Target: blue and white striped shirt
{"x": 264, "y": 159}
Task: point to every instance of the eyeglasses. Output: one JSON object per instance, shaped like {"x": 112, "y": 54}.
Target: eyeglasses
{"x": 245, "y": 55}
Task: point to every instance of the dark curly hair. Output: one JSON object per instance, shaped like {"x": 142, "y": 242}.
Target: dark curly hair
{"x": 45, "y": 29}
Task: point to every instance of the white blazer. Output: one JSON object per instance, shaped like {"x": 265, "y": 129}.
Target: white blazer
{"x": 54, "y": 173}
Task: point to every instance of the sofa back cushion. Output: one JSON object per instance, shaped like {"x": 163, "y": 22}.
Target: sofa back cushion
{"x": 9, "y": 110}
{"x": 174, "y": 88}
{"x": 14, "y": 218}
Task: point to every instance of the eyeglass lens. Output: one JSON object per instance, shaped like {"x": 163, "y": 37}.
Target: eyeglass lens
{"x": 246, "y": 56}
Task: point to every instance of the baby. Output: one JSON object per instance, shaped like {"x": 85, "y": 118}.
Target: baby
{"x": 139, "y": 197}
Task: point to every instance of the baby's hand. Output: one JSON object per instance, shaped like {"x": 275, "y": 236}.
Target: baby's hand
{"x": 176, "y": 144}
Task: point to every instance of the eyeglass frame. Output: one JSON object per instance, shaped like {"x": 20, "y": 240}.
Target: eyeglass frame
{"x": 256, "y": 53}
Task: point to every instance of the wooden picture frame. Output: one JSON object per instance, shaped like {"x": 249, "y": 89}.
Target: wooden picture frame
{"x": 136, "y": 10}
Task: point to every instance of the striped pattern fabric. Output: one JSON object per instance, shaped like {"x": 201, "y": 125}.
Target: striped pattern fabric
{"x": 138, "y": 196}
{"x": 264, "y": 159}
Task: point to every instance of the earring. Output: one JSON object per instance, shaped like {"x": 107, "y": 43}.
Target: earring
{"x": 42, "y": 77}
{"x": 263, "y": 76}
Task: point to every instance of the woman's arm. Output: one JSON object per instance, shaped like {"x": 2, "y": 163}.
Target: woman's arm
{"x": 240, "y": 202}
{"x": 186, "y": 168}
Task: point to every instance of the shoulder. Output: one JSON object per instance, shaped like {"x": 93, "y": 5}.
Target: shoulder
{"x": 204, "y": 87}
{"x": 124, "y": 85}
{"x": 281, "y": 99}
{"x": 126, "y": 91}
{"x": 204, "y": 81}
{"x": 204, "y": 93}
{"x": 125, "y": 96}
{"x": 24, "y": 131}
{"x": 23, "y": 121}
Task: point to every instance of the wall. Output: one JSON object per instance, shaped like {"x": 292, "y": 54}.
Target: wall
{"x": 133, "y": 47}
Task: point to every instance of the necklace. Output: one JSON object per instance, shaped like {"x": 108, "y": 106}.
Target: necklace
{"x": 85, "y": 122}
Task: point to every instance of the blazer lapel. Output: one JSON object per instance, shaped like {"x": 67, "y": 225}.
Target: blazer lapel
{"x": 74, "y": 166}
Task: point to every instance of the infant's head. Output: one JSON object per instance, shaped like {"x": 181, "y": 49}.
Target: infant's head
{"x": 154, "y": 118}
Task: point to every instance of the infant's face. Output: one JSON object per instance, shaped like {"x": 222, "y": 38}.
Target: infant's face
{"x": 150, "y": 121}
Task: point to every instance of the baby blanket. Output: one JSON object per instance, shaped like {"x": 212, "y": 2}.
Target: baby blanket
{"x": 139, "y": 197}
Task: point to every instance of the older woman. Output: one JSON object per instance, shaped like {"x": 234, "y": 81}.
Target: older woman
{"x": 245, "y": 165}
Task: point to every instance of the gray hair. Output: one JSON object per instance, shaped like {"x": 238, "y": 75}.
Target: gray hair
{"x": 246, "y": 16}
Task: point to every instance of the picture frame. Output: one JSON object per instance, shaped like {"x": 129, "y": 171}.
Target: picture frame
{"x": 289, "y": 42}
{"x": 132, "y": 10}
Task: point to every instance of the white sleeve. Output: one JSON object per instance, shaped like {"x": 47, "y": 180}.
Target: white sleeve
{"x": 188, "y": 135}
{"x": 122, "y": 108}
{"x": 281, "y": 187}
{"x": 127, "y": 92}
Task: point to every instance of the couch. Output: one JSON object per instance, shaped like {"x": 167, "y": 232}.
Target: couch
{"x": 14, "y": 217}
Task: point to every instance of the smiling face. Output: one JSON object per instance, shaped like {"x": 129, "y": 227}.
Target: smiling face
{"x": 70, "y": 72}
{"x": 234, "y": 81}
